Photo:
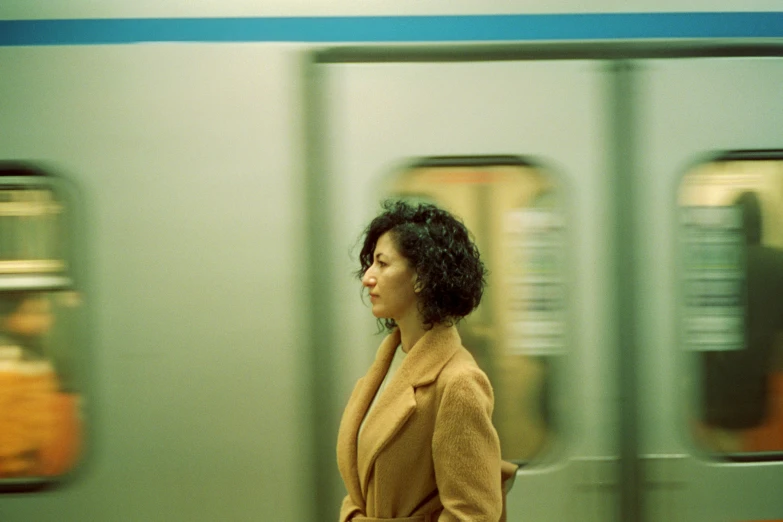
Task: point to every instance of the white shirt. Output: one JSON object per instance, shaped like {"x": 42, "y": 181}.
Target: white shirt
{"x": 399, "y": 356}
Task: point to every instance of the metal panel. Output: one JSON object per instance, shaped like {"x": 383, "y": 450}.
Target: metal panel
{"x": 691, "y": 109}
{"x": 379, "y": 116}
{"x": 183, "y": 157}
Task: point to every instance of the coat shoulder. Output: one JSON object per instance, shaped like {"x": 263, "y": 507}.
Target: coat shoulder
{"x": 462, "y": 369}
{"x": 462, "y": 362}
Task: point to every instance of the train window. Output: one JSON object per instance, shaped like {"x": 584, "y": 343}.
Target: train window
{"x": 41, "y": 340}
{"x": 731, "y": 216}
{"x": 512, "y": 207}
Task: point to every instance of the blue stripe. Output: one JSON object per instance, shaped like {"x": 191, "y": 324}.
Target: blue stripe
{"x": 394, "y": 28}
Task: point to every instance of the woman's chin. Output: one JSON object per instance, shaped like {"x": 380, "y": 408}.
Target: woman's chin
{"x": 378, "y": 313}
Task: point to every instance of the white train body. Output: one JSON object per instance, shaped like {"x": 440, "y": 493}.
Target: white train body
{"x": 227, "y": 154}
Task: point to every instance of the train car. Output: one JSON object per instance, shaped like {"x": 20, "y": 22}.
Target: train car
{"x": 182, "y": 188}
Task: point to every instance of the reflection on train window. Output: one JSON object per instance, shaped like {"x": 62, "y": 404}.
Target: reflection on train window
{"x": 513, "y": 210}
{"x": 40, "y": 374}
{"x": 731, "y": 215}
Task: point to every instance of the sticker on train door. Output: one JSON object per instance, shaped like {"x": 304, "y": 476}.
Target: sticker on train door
{"x": 714, "y": 278}
{"x": 536, "y": 305}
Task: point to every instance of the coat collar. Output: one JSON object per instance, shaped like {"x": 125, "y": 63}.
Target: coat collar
{"x": 398, "y": 401}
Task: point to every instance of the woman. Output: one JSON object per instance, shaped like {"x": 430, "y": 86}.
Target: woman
{"x": 416, "y": 442}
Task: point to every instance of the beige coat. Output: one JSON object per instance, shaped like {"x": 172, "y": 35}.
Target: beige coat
{"x": 428, "y": 449}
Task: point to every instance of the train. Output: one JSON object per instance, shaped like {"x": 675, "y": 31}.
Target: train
{"x": 182, "y": 190}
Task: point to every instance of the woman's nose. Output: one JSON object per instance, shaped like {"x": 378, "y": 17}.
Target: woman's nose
{"x": 368, "y": 279}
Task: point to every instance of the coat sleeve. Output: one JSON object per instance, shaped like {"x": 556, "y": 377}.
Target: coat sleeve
{"x": 466, "y": 451}
{"x": 348, "y": 509}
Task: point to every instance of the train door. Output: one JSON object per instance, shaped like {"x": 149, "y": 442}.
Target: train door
{"x": 709, "y": 202}
{"x": 516, "y": 149}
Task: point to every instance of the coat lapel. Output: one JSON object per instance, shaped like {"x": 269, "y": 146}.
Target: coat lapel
{"x": 398, "y": 401}
{"x": 355, "y": 410}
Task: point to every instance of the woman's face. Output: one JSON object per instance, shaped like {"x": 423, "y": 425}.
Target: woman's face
{"x": 390, "y": 280}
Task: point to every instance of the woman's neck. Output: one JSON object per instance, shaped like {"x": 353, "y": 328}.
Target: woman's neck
{"x": 411, "y": 330}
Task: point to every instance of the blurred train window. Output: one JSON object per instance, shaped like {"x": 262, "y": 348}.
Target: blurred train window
{"x": 512, "y": 207}
{"x": 731, "y": 218}
{"x": 41, "y": 341}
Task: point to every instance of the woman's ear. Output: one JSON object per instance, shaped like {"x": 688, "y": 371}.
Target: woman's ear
{"x": 417, "y": 286}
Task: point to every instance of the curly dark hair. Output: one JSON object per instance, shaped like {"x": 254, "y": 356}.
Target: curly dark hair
{"x": 438, "y": 246}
